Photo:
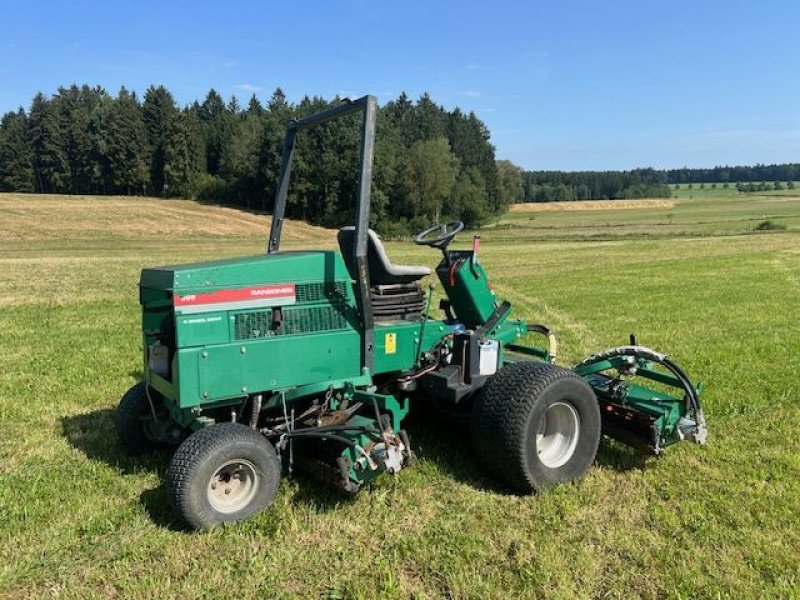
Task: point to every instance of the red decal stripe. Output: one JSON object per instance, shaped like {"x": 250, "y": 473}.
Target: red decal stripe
{"x": 265, "y": 292}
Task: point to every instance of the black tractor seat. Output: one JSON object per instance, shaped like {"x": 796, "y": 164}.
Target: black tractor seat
{"x": 381, "y": 270}
{"x": 394, "y": 292}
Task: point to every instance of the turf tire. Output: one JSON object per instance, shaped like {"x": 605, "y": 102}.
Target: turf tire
{"x": 199, "y": 457}
{"x": 508, "y": 413}
{"x": 132, "y": 409}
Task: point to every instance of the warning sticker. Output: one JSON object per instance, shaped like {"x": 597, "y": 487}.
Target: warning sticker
{"x": 390, "y": 343}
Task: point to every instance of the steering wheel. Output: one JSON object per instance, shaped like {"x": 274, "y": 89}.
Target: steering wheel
{"x": 446, "y": 231}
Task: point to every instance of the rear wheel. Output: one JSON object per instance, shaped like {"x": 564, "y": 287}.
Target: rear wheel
{"x": 226, "y": 472}
{"x": 137, "y": 430}
{"x": 535, "y": 425}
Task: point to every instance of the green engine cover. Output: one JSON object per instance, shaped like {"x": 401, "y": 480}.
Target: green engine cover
{"x": 258, "y": 323}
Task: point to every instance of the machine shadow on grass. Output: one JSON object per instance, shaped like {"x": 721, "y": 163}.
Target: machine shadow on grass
{"x": 613, "y": 455}
{"x": 447, "y": 445}
{"x": 444, "y": 444}
{"x": 93, "y": 434}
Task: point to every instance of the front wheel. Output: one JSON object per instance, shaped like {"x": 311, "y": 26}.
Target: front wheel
{"x": 226, "y": 472}
{"x": 535, "y": 425}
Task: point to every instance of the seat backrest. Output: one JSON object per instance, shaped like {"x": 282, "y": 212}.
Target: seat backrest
{"x": 381, "y": 270}
{"x": 377, "y": 261}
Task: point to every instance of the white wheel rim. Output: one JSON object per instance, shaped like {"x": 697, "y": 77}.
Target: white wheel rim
{"x": 233, "y": 486}
{"x": 558, "y": 434}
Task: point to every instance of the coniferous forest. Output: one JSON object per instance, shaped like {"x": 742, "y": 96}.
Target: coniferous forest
{"x": 430, "y": 163}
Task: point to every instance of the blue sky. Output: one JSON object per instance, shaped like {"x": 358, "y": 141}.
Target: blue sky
{"x": 572, "y": 85}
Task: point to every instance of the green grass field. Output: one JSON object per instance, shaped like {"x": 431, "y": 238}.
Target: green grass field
{"x": 690, "y": 276}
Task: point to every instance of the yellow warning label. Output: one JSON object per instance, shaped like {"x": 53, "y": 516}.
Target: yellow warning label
{"x": 390, "y": 343}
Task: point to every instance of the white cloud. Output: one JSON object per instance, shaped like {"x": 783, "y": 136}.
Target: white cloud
{"x": 229, "y": 64}
{"x": 472, "y": 67}
{"x": 472, "y": 93}
{"x": 249, "y": 87}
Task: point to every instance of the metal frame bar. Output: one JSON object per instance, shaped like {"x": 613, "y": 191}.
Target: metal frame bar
{"x": 369, "y": 105}
{"x": 529, "y": 351}
{"x": 586, "y": 369}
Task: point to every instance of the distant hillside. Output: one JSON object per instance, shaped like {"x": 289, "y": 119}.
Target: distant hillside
{"x": 53, "y": 217}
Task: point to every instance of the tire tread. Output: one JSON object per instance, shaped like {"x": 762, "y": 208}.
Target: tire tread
{"x": 187, "y": 459}
{"x": 500, "y": 420}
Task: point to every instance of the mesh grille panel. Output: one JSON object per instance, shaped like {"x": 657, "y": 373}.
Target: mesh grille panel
{"x": 296, "y": 320}
{"x": 320, "y": 292}
{"x": 328, "y": 316}
{"x": 252, "y": 325}
{"x": 315, "y": 318}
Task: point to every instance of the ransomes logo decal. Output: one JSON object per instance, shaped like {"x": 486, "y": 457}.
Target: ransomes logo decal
{"x": 249, "y": 297}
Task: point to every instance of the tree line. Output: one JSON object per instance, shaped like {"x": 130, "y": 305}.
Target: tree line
{"x": 549, "y": 186}
{"x": 763, "y": 186}
{"x": 430, "y": 163}
{"x": 738, "y": 174}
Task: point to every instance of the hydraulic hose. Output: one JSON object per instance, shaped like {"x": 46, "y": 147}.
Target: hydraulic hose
{"x": 551, "y": 339}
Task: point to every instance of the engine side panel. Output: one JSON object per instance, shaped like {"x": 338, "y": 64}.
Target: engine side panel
{"x": 254, "y": 324}
{"x": 213, "y": 373}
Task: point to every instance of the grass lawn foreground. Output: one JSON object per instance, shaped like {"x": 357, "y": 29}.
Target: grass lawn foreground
{"x": 691, "y": 276}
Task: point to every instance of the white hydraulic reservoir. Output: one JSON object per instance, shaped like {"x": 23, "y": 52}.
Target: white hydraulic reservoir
{"x": 489, "y": 356}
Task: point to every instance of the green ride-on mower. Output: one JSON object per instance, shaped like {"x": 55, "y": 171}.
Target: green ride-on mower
{"x": 311, "y": 359}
